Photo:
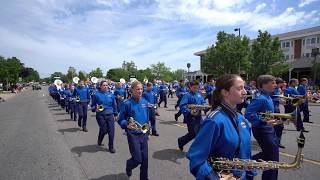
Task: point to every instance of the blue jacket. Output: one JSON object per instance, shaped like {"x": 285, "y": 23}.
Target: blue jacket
{"x": 120, "y": 92}
{"x": 291, "y": 91}
{"x": 156, "y": 89}
{"x": 217, "y": 137}
{"x": 190, "y": 98}
{"x": 83, "y": 93}
{"x": 150, "y": 96}
{"x": 181, "y": 91}
{"x": 137, "y": 110}
{"x": 163, "y": 89}
{"x": 108, "y": 101}
{"x": 209, "y": 88}
{"x": 52, "y": 89}
{"x": 302, "y": 89}
{"x": 262, "y": 102}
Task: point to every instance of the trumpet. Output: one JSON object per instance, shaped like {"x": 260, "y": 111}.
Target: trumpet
{"x": 294, "y": 101}
{"x": 144, "y": 128}
{"x": 225, "y": 164}
{"x": 100, "y": 108}
{"x": 77, "y": 99}
{"x": 281, "y": 118}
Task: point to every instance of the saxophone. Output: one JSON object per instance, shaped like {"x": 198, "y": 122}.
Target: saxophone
{"x": 196, "y": 108}
{"x": 249, "y": 165}
{"x": 281, "y": 118}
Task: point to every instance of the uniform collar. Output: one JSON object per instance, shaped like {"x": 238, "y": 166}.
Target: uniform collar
{"x": 226, "y": 107}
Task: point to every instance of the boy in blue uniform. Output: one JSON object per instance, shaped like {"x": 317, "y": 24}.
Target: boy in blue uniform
{"x": 163, "y": 91}
{"x": 193, "y": 119}
{"x": 262, "y": 128}
{"x": 120, "y": 94}
{"x": 136, "y": 108}
{"x": 150, "y": 96}
{"x": 73, "y": 107}
{"x": 276, "y": 102}
{"x": 181, "y": 91}
{"x": 83, "y": 93}
{"x": 289, "y": 108}
{"x": 223, "y": 134}
{"x": 303, "y": 91}
{"x": 106, "y": 117}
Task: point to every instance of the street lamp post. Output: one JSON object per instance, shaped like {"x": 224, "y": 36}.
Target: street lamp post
{"x": 238, "y": 29}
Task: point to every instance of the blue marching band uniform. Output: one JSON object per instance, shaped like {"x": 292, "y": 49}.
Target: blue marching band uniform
{"x": 105, "y": 118}
{"x": 221, "y": 124}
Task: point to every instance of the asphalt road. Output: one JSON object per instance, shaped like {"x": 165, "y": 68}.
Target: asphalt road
{"x": 39, "y": 141}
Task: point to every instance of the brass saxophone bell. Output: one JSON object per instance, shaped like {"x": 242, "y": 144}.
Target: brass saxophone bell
{"x": 100, "y": 108}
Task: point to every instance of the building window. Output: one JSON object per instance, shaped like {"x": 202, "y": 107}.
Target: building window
{"x": 308, "y": 41}
{"x": 313, "y": 40}
{"x": 287, "y": 44}
{"x": 283, "y": 44}
{"x": 318, "y": 38}
{"x": 303, "y": 42}
{"x": 292, "y": 56}
{"x": 291, "y": 43}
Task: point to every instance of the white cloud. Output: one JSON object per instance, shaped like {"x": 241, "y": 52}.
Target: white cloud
{"x": 260, "y": 7}
{"x": 306, "y": 2}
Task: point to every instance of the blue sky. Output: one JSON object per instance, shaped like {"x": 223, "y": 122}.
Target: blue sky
{"x": 51, "y": 35}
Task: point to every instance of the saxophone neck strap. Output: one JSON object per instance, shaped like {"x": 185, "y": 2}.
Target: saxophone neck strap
{"x": 232, "y": 117}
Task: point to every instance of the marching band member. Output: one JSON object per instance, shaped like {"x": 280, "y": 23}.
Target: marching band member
{"x": 73, "y": 107}
{"x": 302, "y": 89}
{"x": 120, "y": 94}
{"x": 276, "y": 102}
{"x": 289, "y": 108}
{"x": 66, "y": 92}
{"x": 192, "y": 120}
{"x": 181, "y": 91}
{"x": 150, "y": 96}
{"x": 83, "y": 93}
{"x": 163, "y": 91}
{"x": 136, "y": 108}
{"x": 224, "y": 133}
{"x": 262, "y": 129}
{"x": 104, "y": 103}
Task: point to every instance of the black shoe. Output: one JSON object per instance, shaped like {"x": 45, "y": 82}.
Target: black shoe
{"x": 282, "y": 146}
{"x": 157, "y": 114}
{"x": 308, "y": 122}
{"x": 165, "y": 106}
{"x": 305, "y": 131}
{"x": 175, "y": 107}
{"x": 100, "y": 143}
{"x": 180, "y": 146}
{"x": 129, "y": 172}
{"x": 154, "y": 134}
{"x": 79, "y": 124}
{"x": 85, "y": 129}
{"x": 111, "y": 150}
{"x": 176, "y": 117}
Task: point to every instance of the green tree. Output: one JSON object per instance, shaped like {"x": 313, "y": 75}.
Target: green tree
{"x": 266, "y": 56}
{"x": 61, "y": 76}
{"x": 161, "y": 71}
{"x": 116, "y": 74}
{"x": 71, "y": 74}
{"x": 178, "y": 74}
{"x": 228, "y": 54}
{"x": 82, "y": 75}
{"x": 141, "y": 74}
{"x": 96, "y": 73}
{"x": 29, "y": 74}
